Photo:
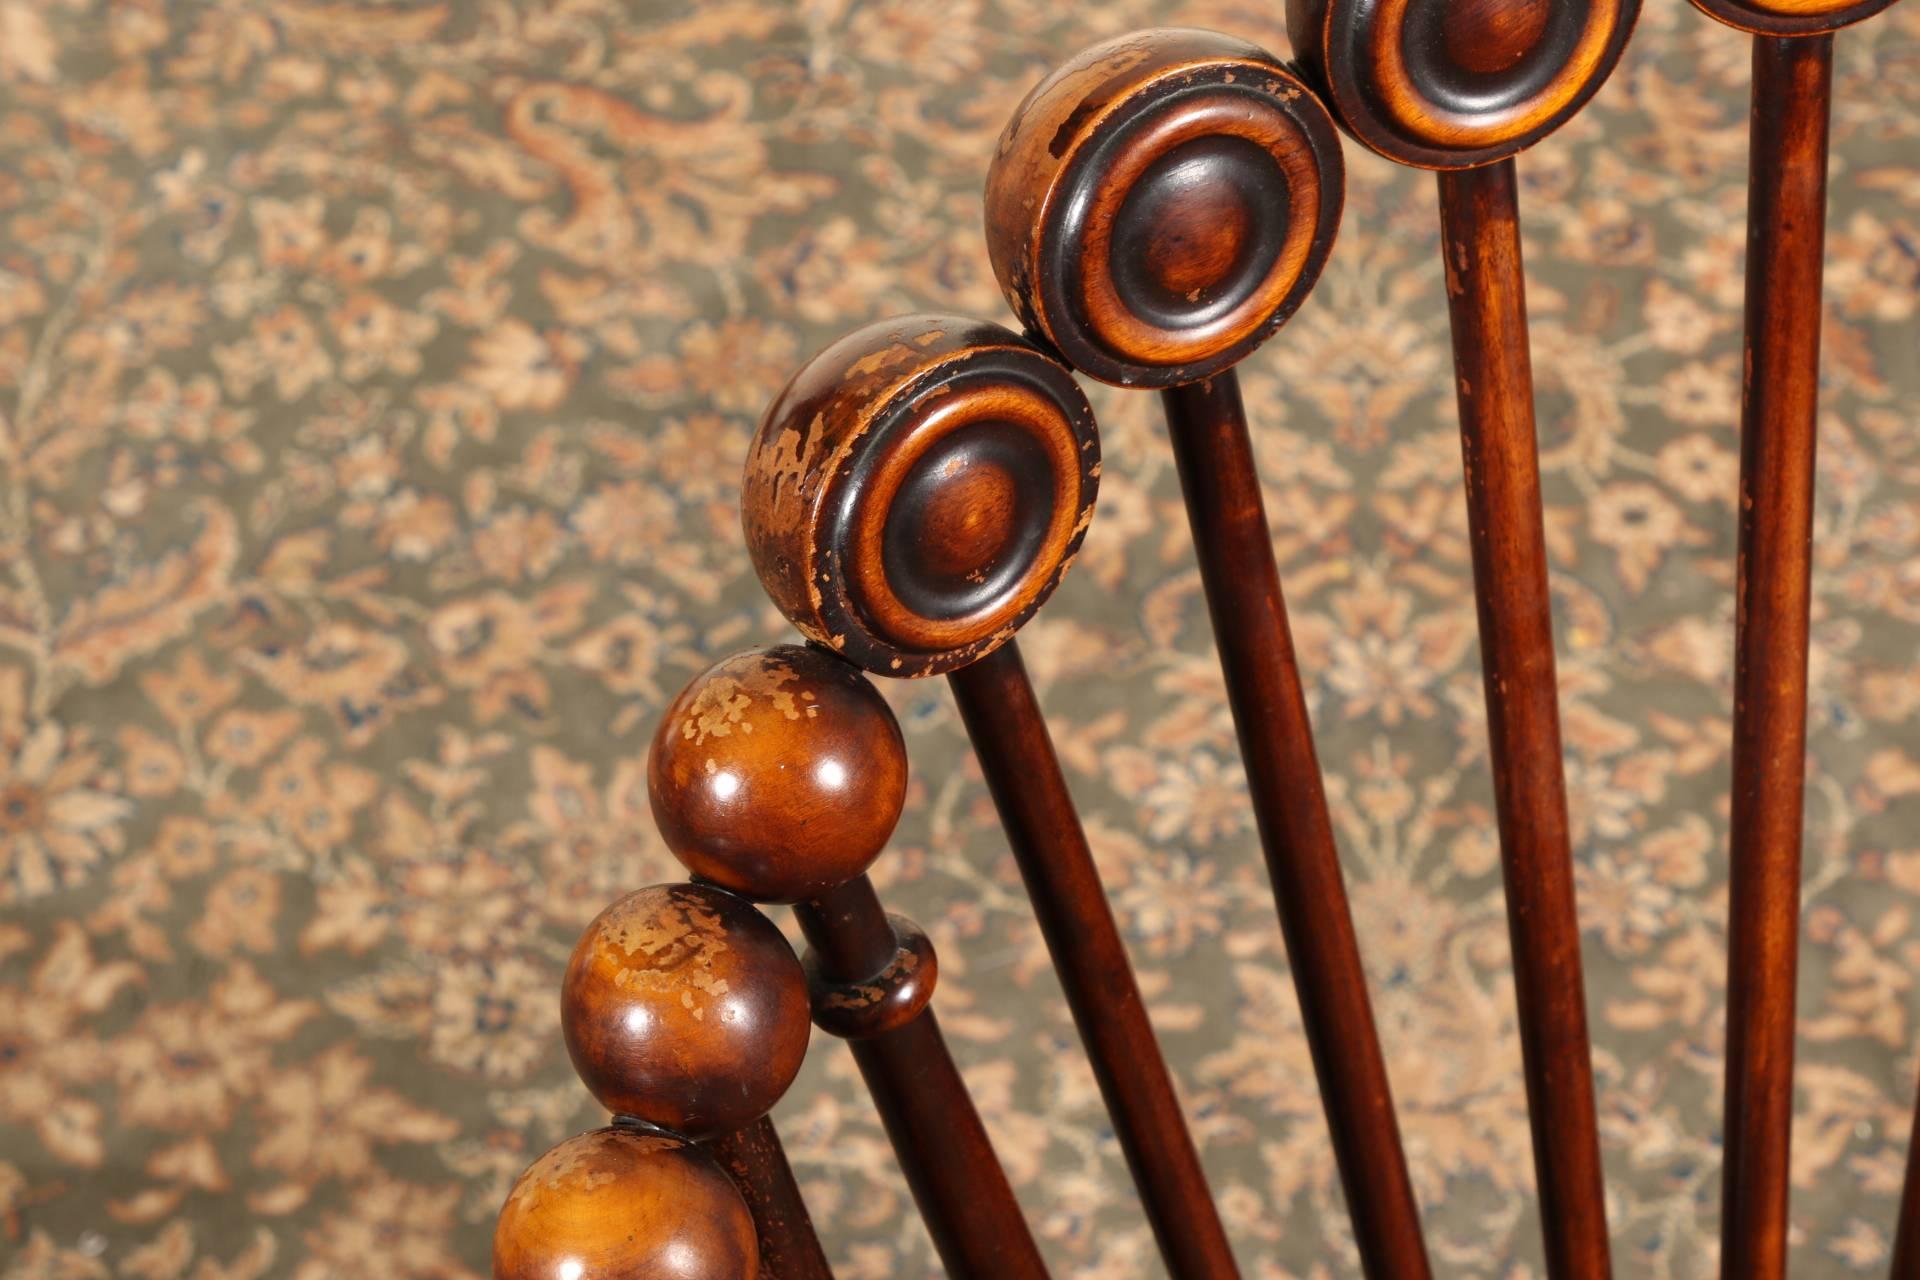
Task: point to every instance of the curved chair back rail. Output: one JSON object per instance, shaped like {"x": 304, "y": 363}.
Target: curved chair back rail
{"x": 1158, "y": 208}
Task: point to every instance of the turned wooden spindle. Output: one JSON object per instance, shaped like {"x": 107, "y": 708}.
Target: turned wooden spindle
{"x": 1461, "y": 88}
{"x": 622, "y": 1203}
{"x": 780, "y": 772}
{"x": 686, "y": 1014}
{"x": 911, "y": 498}
{"x": 1156, "y": 208}
{"x": 1786, "y": 237}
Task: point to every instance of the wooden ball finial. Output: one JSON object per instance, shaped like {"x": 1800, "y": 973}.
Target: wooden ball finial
{"x": 620, "y": 1204}
{"x": 684, "y": 1007}
{"x": 1791, "y": 17}
{"x": 1162, "y": 203}
{"x": 917, "y": 491}
{"x": 1454, "y": 84}
{"x": 778, "y": 773}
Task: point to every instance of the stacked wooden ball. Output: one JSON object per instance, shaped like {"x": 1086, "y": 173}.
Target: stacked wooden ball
{"x": 776, "y": 776}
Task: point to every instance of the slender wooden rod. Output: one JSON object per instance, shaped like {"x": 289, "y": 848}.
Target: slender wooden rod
{"x": 757, "y": 1163}
{"x": 942, "y": 1146}
{"x": 1002, "y": 716}
{"x": 1906, "y": 1237}
{"x": 1486, "y": 295}
{"x": 1786, "y": 222}
{"x": 1214, "y": 454}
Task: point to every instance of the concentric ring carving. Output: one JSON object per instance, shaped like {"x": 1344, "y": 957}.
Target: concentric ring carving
{"x": 1791, "y": 17}
{"x": 1162, "y": 203}
{"x": 1452, "y": 84}
{"x": 918, "y": 489}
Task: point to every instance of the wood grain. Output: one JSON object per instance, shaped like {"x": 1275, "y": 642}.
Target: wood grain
{"x": 1486, "y": 297}
{"x": 1214, "y": 454}
{"x": 622, "y": 1204}
{"x": 777, "y": 773}
{"x": 918, "y": 489}
{"x": 756, "y": 1162}
{"x": 1786, "y": 225}
{"x": 943, "y": 1148}
{"x": 1453, "y": 84}
{"x": 685, "y": 1008}
{"x": 1010, "y": 738}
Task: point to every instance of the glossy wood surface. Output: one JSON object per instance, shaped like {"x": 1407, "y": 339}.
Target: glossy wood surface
{"x": 1791, "y": 17}
{"x": 1454, "y": 84}
{"x": 757, "y": 1164}
{"x": 1218, "y": 476}
{"x": 1486, "y": 298}
{"x": 1161, "y": 203}
{"x": 686, "y": 1008}
{"x": 917, "y": 490}
{"x": 1016, "y": 754}
{"x": 778, "y": 773}
{"x": 1786, "y": 221}
{"x": 621, "y": 1204}
{"x": 943, "y": 1148}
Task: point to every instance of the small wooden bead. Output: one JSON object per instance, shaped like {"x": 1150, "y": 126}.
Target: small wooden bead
{"x": 1162, "y": 203}
{"x": 620, "y": 1204}
{"x": 1791, "y": 17}
{"x": 887, "y": 1000}
{"x": 917, "y": 491}
{"x": 685, "y": 1007}
{"x": 1454, "y": 84}
{"x": 778, "y": 773}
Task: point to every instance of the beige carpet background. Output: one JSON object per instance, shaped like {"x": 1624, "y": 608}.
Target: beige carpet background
{"x": 374, "y": 383}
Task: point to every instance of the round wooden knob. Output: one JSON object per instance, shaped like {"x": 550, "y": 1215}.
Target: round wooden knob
{"x": 1790, "y": 17}
{"x": 684, "y": 1007}
{"x": 778, "y": 773}
{"x": 918, "y": 489}
{"x": 620, "y": 1204}
{"x": 1451, "y": 84}
{"x": 1162, "y": 203}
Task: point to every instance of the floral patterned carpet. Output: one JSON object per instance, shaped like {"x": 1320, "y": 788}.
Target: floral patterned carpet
{"x": 374, "y": 384}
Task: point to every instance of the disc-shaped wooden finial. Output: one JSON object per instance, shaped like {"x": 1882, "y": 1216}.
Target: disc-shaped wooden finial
{"x": 620, "y": 1204}
{"x": 1451, "y": 84}
{"x": 684, "y": 1007}
{"x": 1791, "y": 17}
{"x": 778, "y": 773}
{"x": 1162, "y": 203}
{"x": 918, "y": 489}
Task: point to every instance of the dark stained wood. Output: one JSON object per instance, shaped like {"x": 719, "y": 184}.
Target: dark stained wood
{"x": 1202, "y": 166}
{"x": 878, "y": 1000}
{"x": 756, "y": 1162}
{"x": 1791, "y": 17}
{"x": 1003, "y": 718}
{"x": 917, "y": 490}
{"x": 685, "y": 1008}
{"x": 1462, "y": 83}
{"x": 1462, "y": 88}
{"x": 1906, "y": 1239}
{"x": 1161, "y": 203}
{"x": 778, "y": 773}
{"x": 1222, "y": 487}
{"x": 624, "y": 1204}
{"x": 942, "y": 1146}
{"x": 1786, "y": 221}
{"x": 1486, "y": 295}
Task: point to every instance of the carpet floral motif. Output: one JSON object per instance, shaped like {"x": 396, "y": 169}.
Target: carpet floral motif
{"x": 375, "y": 380}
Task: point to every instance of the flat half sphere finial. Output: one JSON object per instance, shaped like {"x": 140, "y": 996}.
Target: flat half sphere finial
{"x": 1455, "y": 84}
{"x": 1163, "y": 202}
